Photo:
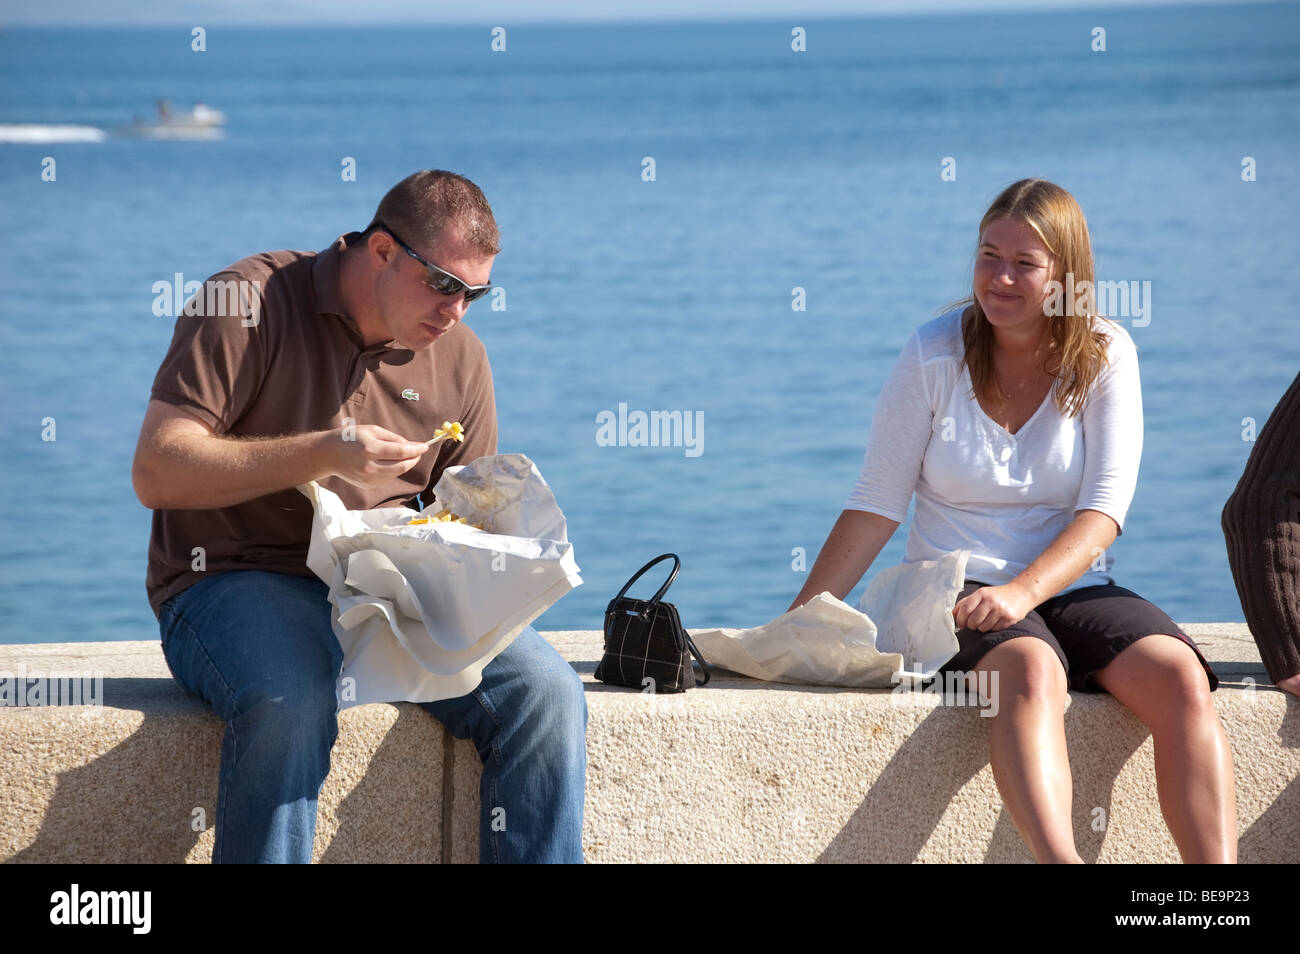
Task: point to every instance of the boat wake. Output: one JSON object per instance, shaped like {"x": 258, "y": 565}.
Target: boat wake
{"x": 198, "y": 123}
{"x": 40, "y": 133}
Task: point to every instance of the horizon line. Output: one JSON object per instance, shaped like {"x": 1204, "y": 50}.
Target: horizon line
{"x": 346, "y": 15}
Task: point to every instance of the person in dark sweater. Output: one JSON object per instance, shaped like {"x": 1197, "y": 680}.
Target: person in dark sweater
{"x": 1261, "y": 523}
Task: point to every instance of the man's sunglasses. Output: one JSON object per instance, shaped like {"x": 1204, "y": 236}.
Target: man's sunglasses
{"x": 440, "y": 280}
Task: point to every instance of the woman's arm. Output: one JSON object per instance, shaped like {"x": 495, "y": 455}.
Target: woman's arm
{"x": 900, "y": 431}
{"x": 1063, "y": 562}
{"x": 854, "y": 542}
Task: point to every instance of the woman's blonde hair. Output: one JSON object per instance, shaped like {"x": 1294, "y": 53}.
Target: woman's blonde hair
{"x": 1078, "y": 346}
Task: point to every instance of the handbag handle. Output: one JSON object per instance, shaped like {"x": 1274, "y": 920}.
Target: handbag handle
{"x": 704, "y": 667}
{"x": 677, "y": 565}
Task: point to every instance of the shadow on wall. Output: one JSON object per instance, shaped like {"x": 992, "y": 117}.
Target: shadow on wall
{"x": 137, "y": 803}
{"x": 896, "y": 820}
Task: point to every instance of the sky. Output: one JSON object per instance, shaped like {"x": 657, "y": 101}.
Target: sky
{"x": 322, "y": 12}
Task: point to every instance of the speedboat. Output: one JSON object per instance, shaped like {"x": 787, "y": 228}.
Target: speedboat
{"x": 198, "y": 122}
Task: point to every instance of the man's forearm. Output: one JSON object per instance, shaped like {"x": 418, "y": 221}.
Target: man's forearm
{"x": 200, "y": 472}
{"x": 1064, "y": 561}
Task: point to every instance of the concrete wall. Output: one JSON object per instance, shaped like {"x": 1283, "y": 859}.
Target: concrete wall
{"x": 736, "y": 771}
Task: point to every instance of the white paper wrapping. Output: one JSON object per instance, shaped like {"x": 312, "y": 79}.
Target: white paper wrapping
{"x": 912, "y": 606}
{"x": 420, "y": 610}
{"x": 903, "y": 626}
{"x": 825, "y": 642}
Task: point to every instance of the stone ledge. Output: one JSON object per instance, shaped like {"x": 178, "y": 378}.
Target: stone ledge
{"x": 738, "y": 771}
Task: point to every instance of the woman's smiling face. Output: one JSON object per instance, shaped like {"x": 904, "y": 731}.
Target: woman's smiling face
{"x": 1012, "y": 269}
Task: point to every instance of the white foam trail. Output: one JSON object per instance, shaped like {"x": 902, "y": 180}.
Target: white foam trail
{"x": 35, "y": 133}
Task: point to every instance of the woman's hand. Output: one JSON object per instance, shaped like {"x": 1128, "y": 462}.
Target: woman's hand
{"x": 994, "y": 607}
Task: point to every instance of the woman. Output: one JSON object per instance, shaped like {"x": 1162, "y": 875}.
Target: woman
{"x": 1017, "y": 421}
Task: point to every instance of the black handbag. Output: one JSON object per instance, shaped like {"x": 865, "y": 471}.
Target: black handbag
{"x": 645, "y": 645}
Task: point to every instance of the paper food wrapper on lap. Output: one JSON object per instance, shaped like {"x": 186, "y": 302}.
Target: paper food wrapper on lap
{"x": 903, "y": 626}
{"x": 420, "y": 609}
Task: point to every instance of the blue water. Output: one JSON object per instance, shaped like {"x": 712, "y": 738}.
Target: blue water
{"x": 775, "y": 169}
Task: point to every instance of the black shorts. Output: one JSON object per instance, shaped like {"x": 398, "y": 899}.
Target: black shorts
{"x": 1087, "y": 628}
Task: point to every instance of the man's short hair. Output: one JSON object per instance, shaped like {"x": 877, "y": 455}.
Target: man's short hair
{"x": 424, "y": 204}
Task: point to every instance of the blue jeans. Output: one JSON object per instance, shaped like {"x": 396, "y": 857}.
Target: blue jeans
{"x": 258, "y": 647}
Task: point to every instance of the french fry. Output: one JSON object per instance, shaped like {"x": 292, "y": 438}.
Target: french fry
{"x": 452, "y": 429}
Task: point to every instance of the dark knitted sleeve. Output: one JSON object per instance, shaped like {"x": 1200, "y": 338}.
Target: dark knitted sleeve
{"x": 1261, "y": 524}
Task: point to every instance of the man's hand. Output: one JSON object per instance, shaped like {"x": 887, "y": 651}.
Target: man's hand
{"x": 993, "y": 607}
{"x": 370, "y": 454}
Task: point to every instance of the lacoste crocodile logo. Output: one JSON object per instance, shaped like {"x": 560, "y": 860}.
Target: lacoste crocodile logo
{"x": 411, "y": 395}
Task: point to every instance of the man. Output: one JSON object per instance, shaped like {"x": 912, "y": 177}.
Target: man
{"x": 336, "y": 367}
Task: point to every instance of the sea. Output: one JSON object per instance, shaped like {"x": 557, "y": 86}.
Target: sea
{"x": 741, "y": 221}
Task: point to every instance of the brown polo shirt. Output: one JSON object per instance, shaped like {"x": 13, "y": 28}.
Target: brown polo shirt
{"x": 286, "y": 361}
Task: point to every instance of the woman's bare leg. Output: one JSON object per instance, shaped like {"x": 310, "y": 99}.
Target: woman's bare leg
{"x": 1160, "y": 679}
{"x": 1027, "y": 745}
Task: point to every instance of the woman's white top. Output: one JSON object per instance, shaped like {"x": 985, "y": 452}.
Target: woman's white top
{"x": 1004, "y": 497}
